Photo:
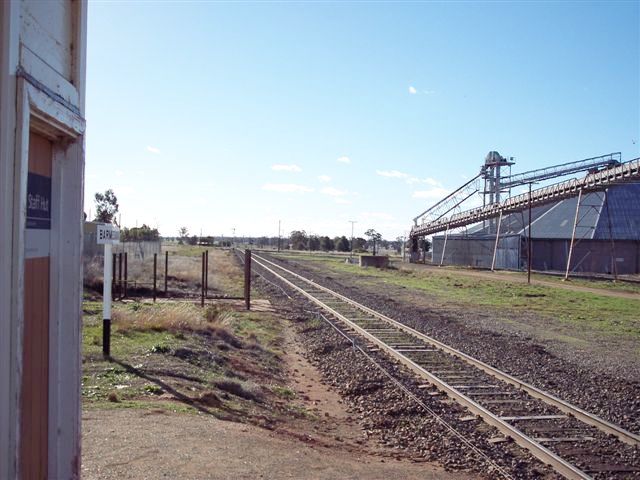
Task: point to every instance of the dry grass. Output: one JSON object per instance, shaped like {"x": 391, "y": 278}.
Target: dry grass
{"x": 92, "y": 272}
{"x": 242, "y": 389}
{"x": 173, "y": 317}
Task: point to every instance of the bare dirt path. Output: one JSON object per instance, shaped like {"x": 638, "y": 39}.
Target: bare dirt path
{"x": 142, "y": 444}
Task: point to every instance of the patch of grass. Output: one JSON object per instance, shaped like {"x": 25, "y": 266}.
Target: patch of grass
{"x": 284, "y": 392}
{"x": 300, "y": 411}
{"x": 258, "y": 327}
{"x": 153, "y": 389}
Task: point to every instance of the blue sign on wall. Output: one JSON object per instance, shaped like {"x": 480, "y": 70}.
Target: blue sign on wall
{"x": 38, "y": 202}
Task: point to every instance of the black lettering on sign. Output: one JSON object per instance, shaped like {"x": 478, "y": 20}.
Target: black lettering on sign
{"x": 38, "y": 202}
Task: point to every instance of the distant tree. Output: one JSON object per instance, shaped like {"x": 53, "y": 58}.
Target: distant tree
{"x": 359, "y": 244}
{"x": 183, "y": 233}
{"x": 106, "y": 206}
{"x": 374, "y": 237}
{"x": 397, "y": 245}
{"x": 298, "y": 239}
{"x": 327, "y": 244}
{"x": 139, "y": 234}
{"x": 425, "y": 245}
{"x": 314, "y": 243}
{"x": 192, "y": 240}
{"x": 342, "y": 245}
{"x": 208, "y": 240}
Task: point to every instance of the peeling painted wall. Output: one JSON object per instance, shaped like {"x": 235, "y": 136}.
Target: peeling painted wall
{"x": 42, "y": 77}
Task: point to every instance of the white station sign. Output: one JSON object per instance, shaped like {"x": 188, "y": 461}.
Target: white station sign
{"x": 108, "y": 234}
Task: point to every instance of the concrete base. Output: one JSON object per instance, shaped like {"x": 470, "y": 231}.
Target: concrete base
{"x": 377, "y": 261}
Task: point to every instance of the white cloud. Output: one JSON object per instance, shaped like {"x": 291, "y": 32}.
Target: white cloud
{"x": 344, "y": 159}
{"x": 324, "y": 178}
{"x": 432, "y": 194}
{"x": 410, "y": 179}
{"x": 333, "y": 192}
{"x": 155, "y": 150}
{"x": 286, "y": 188}
{"x": 377, "y": 215}
{"x": 342, "y": 201}
{"x": 119, "y": 173}
{"x": 412, "y": 90}
{"x": 428, "y": 181}
{"x": 279, "y": 167}
{"x": 392, "y": 174}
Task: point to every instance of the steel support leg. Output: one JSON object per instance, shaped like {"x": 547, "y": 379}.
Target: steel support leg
{"x": 495, "y": 247}
{"x": 444, "y": 247}
{"x": 573, "y": 235}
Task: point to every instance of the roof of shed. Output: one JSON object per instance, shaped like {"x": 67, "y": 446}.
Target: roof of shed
{"x": 619, "y": 208}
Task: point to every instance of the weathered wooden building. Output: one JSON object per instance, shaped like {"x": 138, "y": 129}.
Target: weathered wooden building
{"x": 42, "y": 89}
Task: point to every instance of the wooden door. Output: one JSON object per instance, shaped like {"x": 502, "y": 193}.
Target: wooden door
{"x": 34, "y": 400}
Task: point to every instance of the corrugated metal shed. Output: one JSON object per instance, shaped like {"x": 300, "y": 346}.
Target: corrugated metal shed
{"x": 618, "y": 216}
{"x": 556, "y": 220}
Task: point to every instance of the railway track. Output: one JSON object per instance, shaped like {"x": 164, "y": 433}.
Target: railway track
{"x": 575, "y": 443}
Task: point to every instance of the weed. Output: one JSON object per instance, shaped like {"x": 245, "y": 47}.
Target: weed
{"x": 153, "y": 389}
{"x": 284, "y": 392}
{"x": 159, "y": 348}
{"x": 246, "y": 390}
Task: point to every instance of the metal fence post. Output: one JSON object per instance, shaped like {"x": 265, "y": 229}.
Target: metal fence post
{"x": 120, "y": 275}
{"x": 206, "y": 273}
{"x": 166, "y": 271}
{"x": 247, "y": 279}
{"x": 126, "y": 273}
{"x": 202, "y": 283}
{"x": 155, "y": 269}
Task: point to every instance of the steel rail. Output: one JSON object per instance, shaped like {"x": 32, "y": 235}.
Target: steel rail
{"x": 586, "y": 417}
{"x": 411, "y": 395}
{"x": 559, "y": 464}
{"x": 540, "y": 452}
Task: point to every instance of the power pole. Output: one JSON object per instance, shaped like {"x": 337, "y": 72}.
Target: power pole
{"x": 278, "y": 235}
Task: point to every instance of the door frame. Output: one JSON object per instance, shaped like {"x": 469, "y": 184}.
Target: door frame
{"x": 42, "y": 111}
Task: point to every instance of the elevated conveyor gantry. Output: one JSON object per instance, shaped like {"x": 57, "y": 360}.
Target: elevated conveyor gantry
{"x": 595, "y": 181}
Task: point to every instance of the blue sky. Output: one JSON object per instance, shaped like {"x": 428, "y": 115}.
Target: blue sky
{"x": 222, "y": 116}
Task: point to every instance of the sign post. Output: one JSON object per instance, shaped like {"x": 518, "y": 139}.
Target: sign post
{"x": 107, "y": 235}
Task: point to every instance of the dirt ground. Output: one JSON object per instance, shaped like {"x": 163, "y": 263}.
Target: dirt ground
{"x": 140, "y": 443}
